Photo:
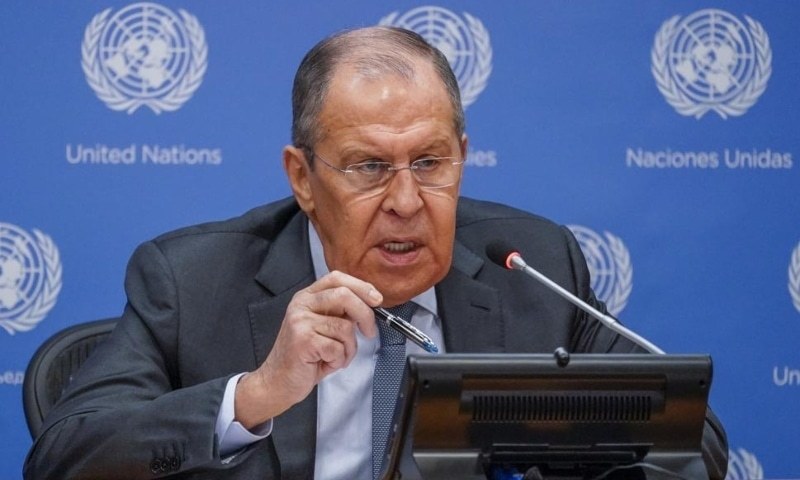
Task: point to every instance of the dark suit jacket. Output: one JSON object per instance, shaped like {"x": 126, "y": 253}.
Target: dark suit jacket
{"x": 206, "y": 302}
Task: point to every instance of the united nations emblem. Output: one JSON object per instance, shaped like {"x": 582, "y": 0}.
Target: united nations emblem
{"x": 465, "y": 43}
{"x": 711, "y": 61}
{"x": 30, "y": 277}
{"x": 794, "y": 277}
{"x": 610, "y": 267}
{"x": 144, "y": 54}
{"x": 743, "y": 465}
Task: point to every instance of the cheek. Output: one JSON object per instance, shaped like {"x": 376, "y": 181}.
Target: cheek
{"x": 343, "y": 229}
{"x": 443, "y": 221}
{"x": 443, "y": 247}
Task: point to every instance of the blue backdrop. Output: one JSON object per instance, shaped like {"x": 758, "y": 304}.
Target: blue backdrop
{"x": 663, "y": 133}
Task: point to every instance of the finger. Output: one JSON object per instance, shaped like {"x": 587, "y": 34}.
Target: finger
{"x": 331, "y": 353}
{"x": 341, "y": 301}
{"x": 364, "y": 290}
{"x": 339, "y": 330}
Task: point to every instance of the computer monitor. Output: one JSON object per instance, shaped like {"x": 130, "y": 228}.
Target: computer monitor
{"x": 477, "y": 416}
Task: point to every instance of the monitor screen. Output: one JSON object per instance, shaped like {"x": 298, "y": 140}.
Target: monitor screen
{"x": 487, "y": 415}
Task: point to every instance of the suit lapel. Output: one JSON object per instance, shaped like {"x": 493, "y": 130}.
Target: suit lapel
{"x": 286, "y": 269}
{"x": 469, "y": 309}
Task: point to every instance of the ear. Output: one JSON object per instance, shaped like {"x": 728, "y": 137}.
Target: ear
{"x": 464, "y": 150}
{"x": 298, "y": 170}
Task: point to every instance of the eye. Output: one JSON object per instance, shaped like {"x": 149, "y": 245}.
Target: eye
{"x": 372, "y": 169}
{"x": 427, "y": 164}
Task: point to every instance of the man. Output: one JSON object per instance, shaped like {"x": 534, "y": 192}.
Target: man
{"x": 247, "y": 348}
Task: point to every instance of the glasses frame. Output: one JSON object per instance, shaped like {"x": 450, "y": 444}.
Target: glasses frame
{"x": 392, "y": 169}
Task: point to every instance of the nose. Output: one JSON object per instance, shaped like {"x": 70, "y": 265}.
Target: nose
{"x": 402, "y": 195}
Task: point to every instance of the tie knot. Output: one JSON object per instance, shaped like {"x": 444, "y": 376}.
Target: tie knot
{"x": 390, "y": 336}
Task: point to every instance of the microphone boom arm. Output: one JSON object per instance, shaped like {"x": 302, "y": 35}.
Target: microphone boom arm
{"x": 517, "y": 263}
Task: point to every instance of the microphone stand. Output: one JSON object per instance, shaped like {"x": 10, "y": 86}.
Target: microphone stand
{"x": 516, "y": 262}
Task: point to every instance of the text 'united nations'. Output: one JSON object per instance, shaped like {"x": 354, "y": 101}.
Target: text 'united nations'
{"x": 100, "y": 154}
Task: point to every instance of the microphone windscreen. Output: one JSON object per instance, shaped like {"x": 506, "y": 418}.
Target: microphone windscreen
{"x": 498, "y": 251}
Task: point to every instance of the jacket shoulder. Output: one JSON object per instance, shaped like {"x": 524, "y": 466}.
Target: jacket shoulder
{"x": 483, "y": 214}
{"x": 480, "y": 223}
{"x": 265, "y": 221}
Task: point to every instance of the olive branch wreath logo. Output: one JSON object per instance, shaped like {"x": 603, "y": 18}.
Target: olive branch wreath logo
{"x": 684, "y": 105}
{"x": 46, "y": 299}
{"x": 118, "y": 100}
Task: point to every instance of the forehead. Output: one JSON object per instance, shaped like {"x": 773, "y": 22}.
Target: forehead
{"x": 386, "y": 106}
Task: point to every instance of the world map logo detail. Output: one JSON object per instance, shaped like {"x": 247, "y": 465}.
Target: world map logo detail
{"x": 794, "y": 277}
{"x": 30, "y": 277}
{"x": 144, "y": 55}
{"x": 464, "y": 41}
{"x": 743, "y": 465}
{"x": 609, "y": 265}
{"x": 711, "y": 61}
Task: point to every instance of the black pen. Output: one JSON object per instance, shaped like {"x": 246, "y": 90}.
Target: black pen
{"x": 409, "y": 331}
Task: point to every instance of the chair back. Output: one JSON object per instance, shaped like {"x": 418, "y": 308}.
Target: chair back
{"x": 54, "y": 365}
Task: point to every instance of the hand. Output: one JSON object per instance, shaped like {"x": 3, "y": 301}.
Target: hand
{"x": 317, "y": 337}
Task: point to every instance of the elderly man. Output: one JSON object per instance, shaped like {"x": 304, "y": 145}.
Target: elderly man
{"x": 248, "y": 348}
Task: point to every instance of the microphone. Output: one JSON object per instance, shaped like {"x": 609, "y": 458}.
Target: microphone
{"x": 508, "y": 257}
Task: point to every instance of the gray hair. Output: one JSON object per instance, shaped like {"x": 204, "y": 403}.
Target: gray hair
{"x": 373, "y": 51}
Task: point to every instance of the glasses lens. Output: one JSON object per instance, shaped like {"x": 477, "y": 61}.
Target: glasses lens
{"x": 436, "y": 172}
{"x": 369, "y": 175}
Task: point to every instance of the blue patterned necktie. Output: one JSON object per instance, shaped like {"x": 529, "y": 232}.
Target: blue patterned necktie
{"x": 386, "y": 382}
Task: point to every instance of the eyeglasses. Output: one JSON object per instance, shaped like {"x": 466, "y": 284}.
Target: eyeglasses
{"x": 429, "y": 172}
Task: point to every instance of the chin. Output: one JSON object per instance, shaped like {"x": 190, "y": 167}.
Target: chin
{"x": 400, "y": 290}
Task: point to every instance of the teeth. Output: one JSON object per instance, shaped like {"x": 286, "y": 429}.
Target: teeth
{"x": 399, "y": 246}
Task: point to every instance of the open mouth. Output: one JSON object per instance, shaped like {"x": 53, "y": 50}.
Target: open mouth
{"x": 399, "y": 247}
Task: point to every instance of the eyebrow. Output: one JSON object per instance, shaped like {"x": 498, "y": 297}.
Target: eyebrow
{"x": 364, "y": 150}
